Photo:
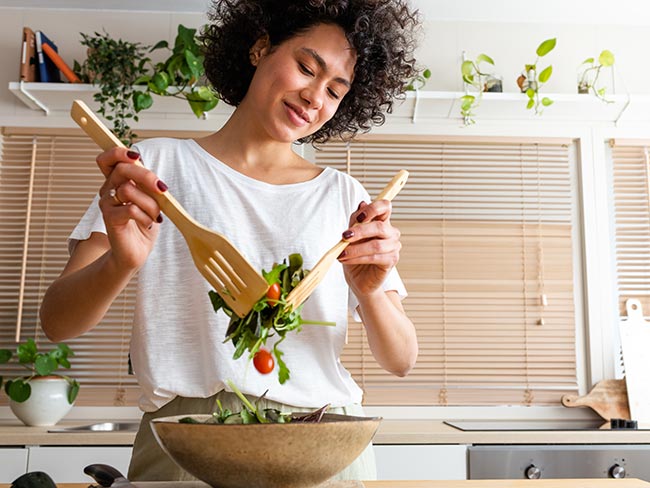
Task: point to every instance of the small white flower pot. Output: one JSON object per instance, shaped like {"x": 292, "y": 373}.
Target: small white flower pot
{"x": 47, "y": 404}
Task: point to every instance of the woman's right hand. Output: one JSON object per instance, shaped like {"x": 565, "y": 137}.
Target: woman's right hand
{"x": 130, "y": 213}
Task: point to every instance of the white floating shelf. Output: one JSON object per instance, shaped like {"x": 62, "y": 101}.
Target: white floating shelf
{"x": 54, "y": 99}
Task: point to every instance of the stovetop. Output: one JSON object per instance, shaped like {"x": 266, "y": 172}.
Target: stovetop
{"x": 534, "y": 425}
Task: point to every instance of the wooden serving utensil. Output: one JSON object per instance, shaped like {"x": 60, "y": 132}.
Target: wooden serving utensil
{"x": 305, "y": 288}
{"x": 216, "y": 258}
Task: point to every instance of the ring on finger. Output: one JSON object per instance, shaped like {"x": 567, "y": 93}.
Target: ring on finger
{"x": 113, "y": 194}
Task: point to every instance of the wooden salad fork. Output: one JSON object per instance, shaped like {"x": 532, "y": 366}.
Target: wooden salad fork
{"x": 305, "y": 288}
{"x": 216, "y": 258}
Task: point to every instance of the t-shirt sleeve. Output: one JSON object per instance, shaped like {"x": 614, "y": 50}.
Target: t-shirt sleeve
{"x": 92, "y": 221}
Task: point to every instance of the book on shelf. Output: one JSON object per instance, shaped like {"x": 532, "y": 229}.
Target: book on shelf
{"x": 60, "y": 63}
{"x": 28, "y": 59}
{"x": 47, "y": 70}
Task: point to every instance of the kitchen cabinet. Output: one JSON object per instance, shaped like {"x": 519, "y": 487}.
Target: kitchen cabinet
{"x": 13, "y": 463}
{"x": 421, "y": 462}
{"x": 66, "y": 464}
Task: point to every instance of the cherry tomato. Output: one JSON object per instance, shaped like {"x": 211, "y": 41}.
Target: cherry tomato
{"x": 273, "y": 293}
{"x": 263, "y": 361}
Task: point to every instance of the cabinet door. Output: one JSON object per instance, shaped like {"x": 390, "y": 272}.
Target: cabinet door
{"x": 13, "y": 463}
{"x": 66, "y": 464}
{"x": 421, "y": 462}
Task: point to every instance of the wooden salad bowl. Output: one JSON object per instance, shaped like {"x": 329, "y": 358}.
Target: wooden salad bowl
{"x": 292, "y": 455}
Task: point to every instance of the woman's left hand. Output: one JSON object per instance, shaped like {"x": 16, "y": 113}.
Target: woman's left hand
{"x": 374, "y": 247}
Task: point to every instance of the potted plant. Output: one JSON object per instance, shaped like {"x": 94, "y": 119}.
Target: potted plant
{"x": 41, "y": 397}
{"x": 530, "y": 81}
{"x": 589, "y": 71}
{"x": 481, "y": 81}
{"x": 181, "y": 75}
{"x": 114, "y": 66}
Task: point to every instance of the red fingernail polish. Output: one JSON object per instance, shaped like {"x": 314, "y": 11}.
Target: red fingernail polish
{"x": 347, "y": 234}
{"x": 361, "y": 217}
{"x": 133, "y": 155}
{"x": 159, "y": 219}
{"x": 161, "y": 186}
{"x": 342, "y": 255}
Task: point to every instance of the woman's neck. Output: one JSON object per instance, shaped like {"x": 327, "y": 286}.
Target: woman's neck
{"x": 237, "y": 145}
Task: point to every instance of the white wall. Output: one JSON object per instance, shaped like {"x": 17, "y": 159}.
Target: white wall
{"x": 508, "y": 30}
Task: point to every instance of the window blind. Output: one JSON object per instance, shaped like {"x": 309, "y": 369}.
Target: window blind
{"x": 46, "y": 184}
{"x": 487, "y": 259}
{"x": 631, "y": 178}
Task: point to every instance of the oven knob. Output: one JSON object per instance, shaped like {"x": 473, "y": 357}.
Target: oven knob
{"x": 533, "y": 472}
{"x": 617, "y": 471}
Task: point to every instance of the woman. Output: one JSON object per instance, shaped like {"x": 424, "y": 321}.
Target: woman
{"x": 296, "y": 71}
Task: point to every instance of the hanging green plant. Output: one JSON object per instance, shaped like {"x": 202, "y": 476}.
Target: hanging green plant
{"x": 181, "y": 75}
{"x": 589, "y": 73}
{"x": 531, "y": 79}
{"x": 474, "y": 76}
{"x": 114, "y": 66}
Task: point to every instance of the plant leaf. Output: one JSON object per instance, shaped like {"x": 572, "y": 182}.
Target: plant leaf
{"x": 18, "y": 390}
{"x": 546, "y": 47}
{"x": 530, "y": 93}
{"x": 547, "y": 101}
{"x": 546, "y": 74}
{"x": 283, "y": 371}
{"x": 466, "y": 102}
{"x": 205, "y": 93}
{"x": 606, "y": 58}
{"x": 5, "y": 356}
{"x": 486, "y": 58}
{"x": 588, "y": 61}
{"x": 161, "y": 81}
{"x": 193, "y": 63}
{"x": 467, "y": 69}
{"x": 73, "y": 391}
{"x": 426, "y": 74}
{"x": 142, "y": 101}
{"x": 26, "y": 352}
{"x": 159, "y": 45}
{"x": 45, "y": 364}
{"x": 530, "y": 104}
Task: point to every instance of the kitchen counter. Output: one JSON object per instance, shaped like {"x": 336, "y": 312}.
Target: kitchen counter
{"x": 13, "y": 433}
{"x": 567, "y": 483}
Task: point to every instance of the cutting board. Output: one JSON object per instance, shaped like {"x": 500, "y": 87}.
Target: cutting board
{"x": 635, "y": 342}
{"x": 608, "y": 399}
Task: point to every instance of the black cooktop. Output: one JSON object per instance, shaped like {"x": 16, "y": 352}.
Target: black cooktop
{"x": 543, "y": 424}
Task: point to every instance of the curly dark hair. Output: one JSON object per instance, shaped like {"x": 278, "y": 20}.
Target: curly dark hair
{"x": 381, "y": 31}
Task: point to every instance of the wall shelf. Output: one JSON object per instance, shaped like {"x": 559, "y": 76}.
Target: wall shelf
{"x": 54, "y": 100}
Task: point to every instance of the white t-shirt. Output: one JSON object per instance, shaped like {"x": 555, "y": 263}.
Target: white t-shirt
{"x": 177, "y": 339}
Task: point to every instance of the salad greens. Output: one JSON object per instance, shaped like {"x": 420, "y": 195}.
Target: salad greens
{"x": 269, "y": 316}
{"x": 251, "y": 414}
